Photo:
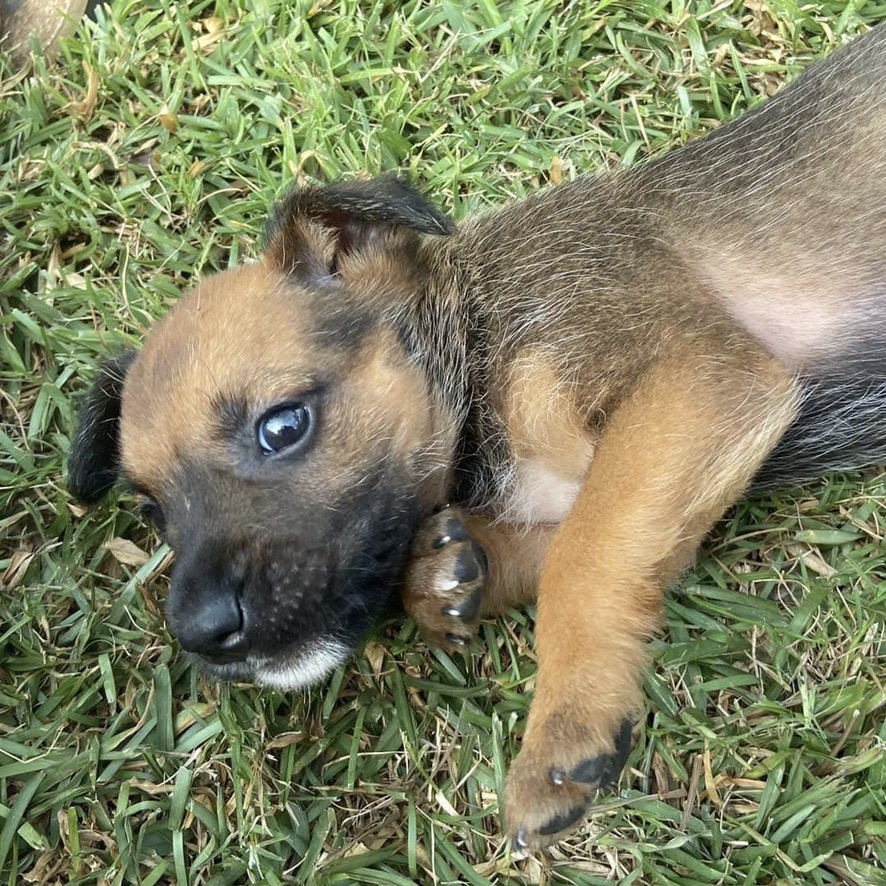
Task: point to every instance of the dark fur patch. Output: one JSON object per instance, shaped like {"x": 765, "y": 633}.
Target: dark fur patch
{"x": 296, "y": 578}
{"x": 94, "y": 465}
{"x": 840, "y": 427}
{"x": 564, "y": 820}
{"x": 232, "y": 415}
{"x": 351, "y": 207}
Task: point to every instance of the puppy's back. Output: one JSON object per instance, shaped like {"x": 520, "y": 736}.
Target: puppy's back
{"x": 774, "y": 225}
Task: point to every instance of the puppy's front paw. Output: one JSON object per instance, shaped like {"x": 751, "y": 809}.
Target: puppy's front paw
{"x": 444, "y": 580}
{"x": 555, "y": 776}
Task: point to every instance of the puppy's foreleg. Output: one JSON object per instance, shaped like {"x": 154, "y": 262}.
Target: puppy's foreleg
{"x": 670, "y": 460}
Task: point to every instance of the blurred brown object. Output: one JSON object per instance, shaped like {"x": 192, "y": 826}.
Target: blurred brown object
{"x": 47, "y": 20}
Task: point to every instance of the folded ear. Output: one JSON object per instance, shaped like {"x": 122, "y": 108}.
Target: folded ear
{"x": 94, "y": 464}
{"x": 311, "y": 228}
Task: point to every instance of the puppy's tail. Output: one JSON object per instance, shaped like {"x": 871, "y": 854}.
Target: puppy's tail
{"x": 841, "y": 425}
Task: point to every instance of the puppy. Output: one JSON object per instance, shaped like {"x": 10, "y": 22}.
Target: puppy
{"x": 557, "y": 400}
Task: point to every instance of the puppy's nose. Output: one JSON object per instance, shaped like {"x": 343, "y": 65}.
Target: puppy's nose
{"x": 214, "y": 629}
{"x": 213, "y": 626}
{"x": 206, "y": 607}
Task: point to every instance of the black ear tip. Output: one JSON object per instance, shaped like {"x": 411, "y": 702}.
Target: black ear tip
{"x": 89, "y": 487}
{"x": 94, "y": 462}
{"x": 447, "y": 225}
{"x": 421, "y": 214}
{"x": 390, "y": 200}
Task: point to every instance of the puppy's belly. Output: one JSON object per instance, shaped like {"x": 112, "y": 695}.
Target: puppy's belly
{"x": 539, "y": 494}
{"x": 803, "y": 318}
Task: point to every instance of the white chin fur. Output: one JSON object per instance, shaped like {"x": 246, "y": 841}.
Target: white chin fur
{"x": 311, "y": 666}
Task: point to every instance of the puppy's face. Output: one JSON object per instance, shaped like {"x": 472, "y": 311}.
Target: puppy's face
{"x": 288, "y": 444}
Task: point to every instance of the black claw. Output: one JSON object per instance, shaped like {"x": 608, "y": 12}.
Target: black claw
{"x": 520, "y": 843}
{"x": 468, "y": 608}
{"x": 458, "y": 640}
{"x": 563, "y": 821}
{"x": 604, "y": 768}
{"x": 558, "y": 775}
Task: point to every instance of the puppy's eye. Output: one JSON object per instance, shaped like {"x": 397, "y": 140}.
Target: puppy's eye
{"x": 282, "y": 427}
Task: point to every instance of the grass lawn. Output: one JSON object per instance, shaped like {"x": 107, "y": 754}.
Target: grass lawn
{"x": 148, "y": 155}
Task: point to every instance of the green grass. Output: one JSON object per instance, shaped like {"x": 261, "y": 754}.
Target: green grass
{"x": 764, "y": 754}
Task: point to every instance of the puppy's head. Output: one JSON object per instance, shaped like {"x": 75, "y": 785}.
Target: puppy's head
{"x": 284, "y": 434}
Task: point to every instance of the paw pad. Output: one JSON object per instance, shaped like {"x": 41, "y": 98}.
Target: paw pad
{"x": 549, "y": 799}
{"x": 603, "y": 769}
{"x": 563, "y": 820}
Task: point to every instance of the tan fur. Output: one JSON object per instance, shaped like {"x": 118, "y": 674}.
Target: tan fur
{"x": 256, "y": 346}
{"x": 246, "y": 350}
{"x": 675, "y": 455}
{"x": 515, "y": 553}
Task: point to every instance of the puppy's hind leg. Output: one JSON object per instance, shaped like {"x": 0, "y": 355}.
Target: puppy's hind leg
{"x": 672, "y": 457}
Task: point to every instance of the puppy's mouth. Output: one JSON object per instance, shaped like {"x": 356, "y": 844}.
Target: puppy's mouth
{"x": 284, "y": 611}
{"x": 285, "y": 671}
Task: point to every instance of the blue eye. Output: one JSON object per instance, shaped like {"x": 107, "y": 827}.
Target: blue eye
{"x": 282, "y": 427}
